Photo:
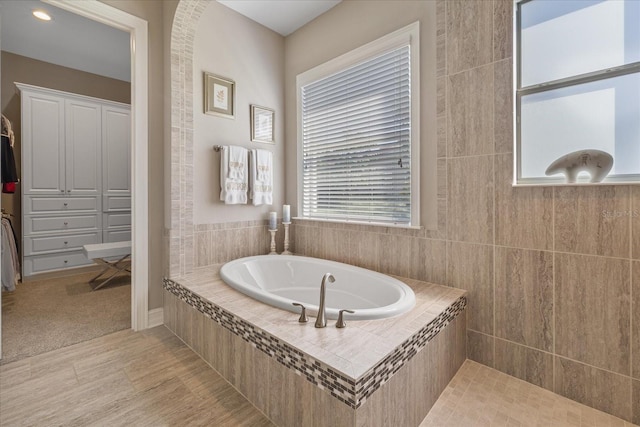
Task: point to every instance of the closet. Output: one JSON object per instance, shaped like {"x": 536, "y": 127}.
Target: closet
{"x": 76, "y": 179}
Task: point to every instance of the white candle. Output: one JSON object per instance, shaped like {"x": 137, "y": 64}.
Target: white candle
{"x": 286, "y": 213}
{"x": 273, "y": 221}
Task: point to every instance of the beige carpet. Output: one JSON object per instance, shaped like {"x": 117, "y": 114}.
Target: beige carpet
{"x": 44, "y": 315}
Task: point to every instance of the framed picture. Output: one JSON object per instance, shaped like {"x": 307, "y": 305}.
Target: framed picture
{"x": 262, "y": 124}
{"x": 219, "y": 96}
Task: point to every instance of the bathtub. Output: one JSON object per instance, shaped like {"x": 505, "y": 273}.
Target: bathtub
{"x": 284, "y": 279}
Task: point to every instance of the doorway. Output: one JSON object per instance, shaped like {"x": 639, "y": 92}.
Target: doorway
{"x": 137, "y": 28}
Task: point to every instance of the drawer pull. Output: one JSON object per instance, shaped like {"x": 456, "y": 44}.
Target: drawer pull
{"x": 62, "y": 191}
{"x": 65, "y": 261}
{"x": 65, "y": 205}
{"x": 66, "y": 243}
{"x": 68, "y": 191}
{"x": 66, "y": 223}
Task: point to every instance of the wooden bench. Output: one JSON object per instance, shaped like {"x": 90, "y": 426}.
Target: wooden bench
{"x": 114, "y": 256}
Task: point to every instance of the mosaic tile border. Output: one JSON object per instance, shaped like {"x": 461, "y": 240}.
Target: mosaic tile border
{"x": 347, "y": 390}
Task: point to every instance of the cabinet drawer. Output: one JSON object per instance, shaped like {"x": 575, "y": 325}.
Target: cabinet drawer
{"x": 43, "y": 263}
{"x": 116, "y": 203}
{"x": 52, "y": 224}
{"x": 117, "y": 220}
{"x": 36, "y": 205}
{"x": 116, "y": 235}
{"x": 47, "y": 244}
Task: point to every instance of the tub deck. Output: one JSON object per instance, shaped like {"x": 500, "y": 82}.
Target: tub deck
{"x": 350, "y": 364}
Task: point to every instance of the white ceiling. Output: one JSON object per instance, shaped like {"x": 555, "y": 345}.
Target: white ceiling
{"x": 282, "y": 16}
{"x": 68, "y": 40}
{"x": 72, "y": 41}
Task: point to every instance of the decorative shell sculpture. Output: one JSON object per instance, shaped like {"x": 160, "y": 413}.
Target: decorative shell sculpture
{"x": 597, "y": 163}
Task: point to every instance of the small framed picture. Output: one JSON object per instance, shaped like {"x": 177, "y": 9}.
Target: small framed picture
{"x": 262, "y": 124}
{"x": 219, "y": 96}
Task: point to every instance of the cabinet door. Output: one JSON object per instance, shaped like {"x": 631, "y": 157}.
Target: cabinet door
{"x": 116, "y": 150}
{"x": 43, "y": 148}
{"x": 83, "y": 147}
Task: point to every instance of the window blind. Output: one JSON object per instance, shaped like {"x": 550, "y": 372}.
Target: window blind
{"x": 356, "y": 142}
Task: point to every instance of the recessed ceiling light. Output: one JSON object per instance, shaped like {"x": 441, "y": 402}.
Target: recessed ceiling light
{"x": 42, "y": 15}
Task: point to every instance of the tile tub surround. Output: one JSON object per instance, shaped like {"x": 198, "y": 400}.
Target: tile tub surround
{"x": 352, "y": 365}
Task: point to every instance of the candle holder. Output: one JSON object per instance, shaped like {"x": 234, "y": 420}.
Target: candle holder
{"x": 286, "y": 238}
{"x": 273, "y": 242}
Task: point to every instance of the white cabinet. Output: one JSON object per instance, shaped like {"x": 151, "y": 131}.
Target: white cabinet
{"x": 83, "y": 144}
{"x": 116, "y": 151}
{"x": 43, "y": 128}
{"x": 76, "y": 154}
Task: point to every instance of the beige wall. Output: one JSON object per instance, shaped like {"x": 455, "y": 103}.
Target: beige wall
{"x": 553, "y": 274}
{"x": 348, "y": 26}
{"x": 16, "y": 68}
{"x": 233, "y": 46}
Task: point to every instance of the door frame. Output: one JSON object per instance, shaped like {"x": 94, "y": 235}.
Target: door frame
{"x": 138, "y": 29}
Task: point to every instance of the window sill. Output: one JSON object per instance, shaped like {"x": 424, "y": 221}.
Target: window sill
{"x": 370, "y": 224}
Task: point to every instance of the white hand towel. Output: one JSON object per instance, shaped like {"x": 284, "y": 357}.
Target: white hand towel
{"x": 233, "y": 191}
{"x": 237, "y": 163}
{"x": 261, "y": 177}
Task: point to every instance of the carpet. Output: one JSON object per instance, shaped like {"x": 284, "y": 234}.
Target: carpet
{"x": 43, "y": 315}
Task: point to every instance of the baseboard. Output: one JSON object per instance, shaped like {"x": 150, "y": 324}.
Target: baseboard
{"x": 156, "y": 317}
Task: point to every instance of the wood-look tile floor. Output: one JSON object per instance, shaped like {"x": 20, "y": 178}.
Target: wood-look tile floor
{"x": 151, "y": 378}
{"x": 127, "y": 378}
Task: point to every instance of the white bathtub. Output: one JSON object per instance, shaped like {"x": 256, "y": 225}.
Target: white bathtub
{"x": 280, "y": 280}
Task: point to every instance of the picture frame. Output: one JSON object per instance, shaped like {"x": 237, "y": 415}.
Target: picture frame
{"x": 262, "y": 121}
{"x": 219, "y": 96}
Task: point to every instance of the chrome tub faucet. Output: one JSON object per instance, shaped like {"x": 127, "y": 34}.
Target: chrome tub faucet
{"x": 321, "y": 320}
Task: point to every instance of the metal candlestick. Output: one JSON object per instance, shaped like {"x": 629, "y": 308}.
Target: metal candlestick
{"x": 273, "y": 242}
{"x": 286, "y": 238}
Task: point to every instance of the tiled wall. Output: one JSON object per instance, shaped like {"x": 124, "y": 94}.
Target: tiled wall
{"x": 219, "y": 243}
{"x": 553, "y": 273}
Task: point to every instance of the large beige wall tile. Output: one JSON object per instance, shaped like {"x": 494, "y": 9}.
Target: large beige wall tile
{"x": 503, "y": 106}
{"x": 592, "y": 220}
{"x": 593, "y": 387}
{"x": 635, "y": 321}
{"x": 441, "y": 38}
{"x": 635, "y": 221}
{"x": 635, "y": 402}
{"x": 480, "y": 348}
{"x": 524, "y": 215}
{"x": 592, "y": 309}
{"x": 502, "y": 29}
{"x": 470, "y": 199}
{"x": 363, "y": 249}
{"x": 428, "y": 261}
{"x": 441, "y": 129}
{"x": 524, "y": 297}
{"x": 470, "y": 267}
{"x": 394, "y": 254}
{"x": 469, "y": 34}
{"x": 470, "y": 112}
{"x": 336, "y": 244}
{"x": 533, "y": 366}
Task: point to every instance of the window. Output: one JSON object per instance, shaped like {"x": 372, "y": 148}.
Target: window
{"x": 577, "y": 85}
{"x": 359, "y": 136}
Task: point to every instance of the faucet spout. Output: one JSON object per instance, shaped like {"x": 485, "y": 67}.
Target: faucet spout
{"x": 321, "y": 320}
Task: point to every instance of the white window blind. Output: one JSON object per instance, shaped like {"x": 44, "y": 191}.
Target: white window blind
{"x": 356, "y": 142}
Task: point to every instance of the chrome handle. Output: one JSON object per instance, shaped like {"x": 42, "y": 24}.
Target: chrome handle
{"x": 341, "y": 323}
{"x": 303, "y": 313}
